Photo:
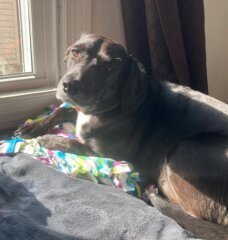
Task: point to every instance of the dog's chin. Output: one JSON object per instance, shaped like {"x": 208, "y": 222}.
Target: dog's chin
{"x": 69, "y": 99}
{"x": 89, "y": 106}
{"x": 61, "y": 96}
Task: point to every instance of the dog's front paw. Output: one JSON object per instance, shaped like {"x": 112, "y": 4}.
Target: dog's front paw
{"x": 31, "y": 130}
{"x": 54, "y": 142}
{"x": 46, "y": 141}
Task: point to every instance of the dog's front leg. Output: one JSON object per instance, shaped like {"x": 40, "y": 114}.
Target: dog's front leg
{"x": 42, "y": 126}
{"x": 54, "y": 142}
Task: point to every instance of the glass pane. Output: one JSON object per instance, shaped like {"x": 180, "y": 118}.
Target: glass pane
{"x": 15, "y": 38}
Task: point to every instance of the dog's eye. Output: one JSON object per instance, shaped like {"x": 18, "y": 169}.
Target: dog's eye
{"x": 75, "y": 52}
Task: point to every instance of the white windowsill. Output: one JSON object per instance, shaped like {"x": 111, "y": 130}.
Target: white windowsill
{"x": 17, "y": 78}
{"x": 5, "y": 96}
{"x": 18, "y": 106}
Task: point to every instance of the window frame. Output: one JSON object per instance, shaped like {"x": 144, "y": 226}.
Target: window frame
{"x": 25, "y": 95}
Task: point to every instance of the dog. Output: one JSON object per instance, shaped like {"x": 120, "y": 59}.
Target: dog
{"x": 175, "y": 137}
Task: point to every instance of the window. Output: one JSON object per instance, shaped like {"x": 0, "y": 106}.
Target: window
{"x": 28, "y": 45}
{"x": 15, "y": 40}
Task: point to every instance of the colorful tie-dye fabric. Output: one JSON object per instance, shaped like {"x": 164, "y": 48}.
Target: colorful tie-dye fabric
{"x": 96, "y": 169}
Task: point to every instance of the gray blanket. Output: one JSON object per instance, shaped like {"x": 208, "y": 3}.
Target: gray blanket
{"x": 37, "y": 202}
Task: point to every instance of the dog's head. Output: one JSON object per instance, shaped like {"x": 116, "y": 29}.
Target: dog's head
{"x": 100, "y": 76}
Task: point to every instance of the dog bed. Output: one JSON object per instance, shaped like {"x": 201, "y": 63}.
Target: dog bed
{"x": 38, "y": 202}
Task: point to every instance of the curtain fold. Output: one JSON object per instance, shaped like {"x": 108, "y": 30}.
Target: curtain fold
{"x": 135, "y": 24}
{"x": 168, "y": 38}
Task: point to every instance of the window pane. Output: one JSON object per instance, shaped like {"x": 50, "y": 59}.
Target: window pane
{"x": 15, "y": 38}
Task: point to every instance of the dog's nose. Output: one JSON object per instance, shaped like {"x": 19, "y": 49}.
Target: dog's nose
{"x": 70, "y": 86}
{"x": 65, "y": 86}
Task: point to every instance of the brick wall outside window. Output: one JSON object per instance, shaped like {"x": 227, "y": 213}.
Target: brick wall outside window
{"x": 10, "y": 54}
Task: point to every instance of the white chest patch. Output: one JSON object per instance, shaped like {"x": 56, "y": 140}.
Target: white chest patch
{"x": 82, "y": 120}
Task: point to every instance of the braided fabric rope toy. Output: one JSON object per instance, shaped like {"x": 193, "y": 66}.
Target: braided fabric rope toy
{"x": 99, "y": 170}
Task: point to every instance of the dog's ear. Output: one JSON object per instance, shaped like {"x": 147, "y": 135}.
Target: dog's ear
{"x": 135, "y": 84}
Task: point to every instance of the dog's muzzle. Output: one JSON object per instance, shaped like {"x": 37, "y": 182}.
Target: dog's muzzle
{"x": 70, "y": 87}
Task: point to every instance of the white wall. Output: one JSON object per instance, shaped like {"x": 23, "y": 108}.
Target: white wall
{"x": 107, "y": 19}
{"x": 216, "y": 30}
{"x": 89, "y": 16}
